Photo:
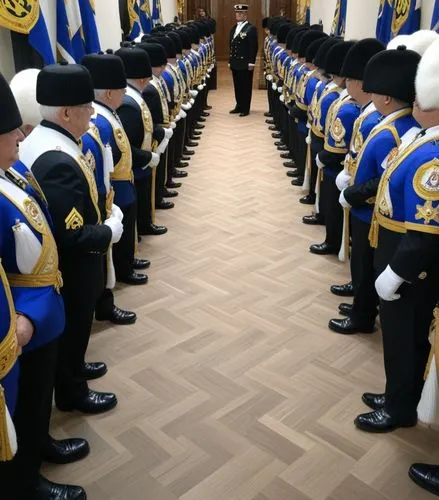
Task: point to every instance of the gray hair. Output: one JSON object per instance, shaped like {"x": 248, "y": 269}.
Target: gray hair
{"x": 99, "y": 93}
{"x": 50, "y": 113}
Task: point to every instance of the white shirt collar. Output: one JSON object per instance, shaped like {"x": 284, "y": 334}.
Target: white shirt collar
{"x": 390, "y": 118}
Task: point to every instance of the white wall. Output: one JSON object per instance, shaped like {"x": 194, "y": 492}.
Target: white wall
{"x": 169, "y": 10}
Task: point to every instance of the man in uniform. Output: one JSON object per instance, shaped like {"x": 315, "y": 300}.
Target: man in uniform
{"x": 405, "y": 233}
{"x": 30, "y": 259}
{"x": 65, "y": 93}
{"x": 242, "y": 59}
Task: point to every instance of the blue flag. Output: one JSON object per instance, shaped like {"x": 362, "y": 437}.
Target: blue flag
{"x": 398, "y": 17}
{"x": 28, "y": 18}
{"x": 145, "y": 16}
{"x": 157, "y": 17}
{"x": 339, "y": 22}
{"x": 435, "y": 19}
{"x": 133, "y": 14}
{"x": 89, "y": 28}
{"x": 69, "y": 41}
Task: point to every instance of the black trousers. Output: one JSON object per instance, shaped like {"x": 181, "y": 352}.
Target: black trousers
{"x": 301, "y": 152}
{"x": 293, "y": 137}
{"x": 160, "y": 179}
{"x": 143, "y": 192}
{"x": 333, "y": 212}
{"x": 105, "y": 302}
{"x": 19, "y": 478}
{"x": 363, "y": 274}
{"x": 316, "y": 147}
{"x": 179, "y": 133}
{"x": 123, "y": 251}
{"x": 83, "y": 284}
{"x": 243, "y": 84}
{"x": 405, "y": 325}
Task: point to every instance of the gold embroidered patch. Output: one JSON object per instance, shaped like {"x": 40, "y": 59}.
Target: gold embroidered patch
{"x": 338, "y": 132}
{"x": 427, "y": 212}
{"x": 358, "y": 141}
{"x": 90, "y": 160}
{"x": 392, "y": 156}
{"x": 426, "y": 181}
{"x": 74, "y": 220}
{"x": 34, "y": 214}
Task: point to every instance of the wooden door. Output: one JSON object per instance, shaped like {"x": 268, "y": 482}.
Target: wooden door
{"x": 276, "y": 6}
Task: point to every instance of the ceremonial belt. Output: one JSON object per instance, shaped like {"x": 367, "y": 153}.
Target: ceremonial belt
{"x": 392, "y": 225}
{"x": 36, "y": 280}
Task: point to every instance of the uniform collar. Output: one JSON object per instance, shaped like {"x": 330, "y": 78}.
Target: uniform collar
{"x": 390, "y": 118}
{"x": 63, "y": 131}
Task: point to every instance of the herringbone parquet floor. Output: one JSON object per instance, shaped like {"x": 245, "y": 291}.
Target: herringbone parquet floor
{"x": 230, "y": 385}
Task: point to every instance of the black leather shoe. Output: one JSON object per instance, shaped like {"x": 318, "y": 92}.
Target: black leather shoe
{"x": 267, "y": 114}
{"x": 173, "y": 185}
{"x": 286, "y": 156}
{"x": 269, "y": 121}
{"x": 139, "y": 264}
{"x": 185, "y": 158}
{"x": 426, "y": 476}
{"x": 195, "y": 135}
{"x": 276, "y": 135}
{"x": 374, "y": 401}
{"x": 234, "y": 111}
{"x": 273, "y": 128}
{"x": 322, "y": 249}
{"x": 298, "y": 181}
{"x": 347, "y": 326}
{"x": 178, "y": 174}
{"x": 201, "y": 119}
{"x": 189, "y": 152}
{"x": 293, "y": 173}
{"x": 380, "y": 421}
{"x": 312, "y": 220}
{"x": 199, "y": 126}
{"x": 119, "y": 317}
{"x": 134, "y": 279}
{"x": 309, "y": 199}
{"x": 182, "y": 164}
{"x": 205, "y": 114}
{"x": 282, "y": 148}
{"x": 192, "y": 144}
{"x": 279, "y": 144}
{"x": 169, "y": 194}
{"x": 156, "y": 230}
{"x": 207, "y": 107}
{"x": 243, "y": 114}
{"x": 165, "y": 205}
{"x": 346, "y": 290}
{"x": 345, "y": 309}
{"x": 46, "y": 490}
{"x": 290, "y": 164}
{"x": 92, "y": 371}
{"x": 93, "y": 403}
{"x": 65, "y": 451}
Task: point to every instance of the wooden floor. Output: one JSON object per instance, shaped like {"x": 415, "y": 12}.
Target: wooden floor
{"x": 230, "y": 385}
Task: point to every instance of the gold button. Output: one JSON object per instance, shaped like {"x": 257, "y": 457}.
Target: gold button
{"x": 423, "y": 275}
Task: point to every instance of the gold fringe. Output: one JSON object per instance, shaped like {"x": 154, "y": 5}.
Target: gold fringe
{"x": 434, "y": 351}
{"x": 5, "y": 447}
{"x": 373, "y": 233}
{"x": 347, "y": 233}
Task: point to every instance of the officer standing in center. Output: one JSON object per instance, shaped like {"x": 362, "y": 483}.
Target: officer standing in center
{"x": 242, "y": 60}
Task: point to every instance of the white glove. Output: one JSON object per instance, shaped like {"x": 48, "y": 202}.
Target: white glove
{"x": 269, "y": 78}
{"x": 168, "y": 133}
{"x": 116, "y": 228}
{"x": 282, "y": 98}
{"x": 308, "y": 139}
{"x": 200, "y": 87}
{"x": 191, "y": 101}
{"x": 177, "y": 117}
{"x": 207, "y": 74}
{"x": 161, "y": 148}
{"x": 279, "y": 89}
{"x": 155, "y": 160}
{"x": 186, "y": 106}
{"x": 116, "y": 212}
{"x": 274, "y": 86}
{"x": 193, "y": 93}
{"x": 182, "y": 113}
{"x": 320, "y": 164}
{"x": 343, "y": 180}
{"x": 387, "y": 284}
{"x": 172, "y": 125}
{"x": 342, "y": 200}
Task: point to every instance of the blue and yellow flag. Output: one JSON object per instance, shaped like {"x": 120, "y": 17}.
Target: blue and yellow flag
{"x": 27, "y": 18}
{"x": 398, "y": 17}
{"x": 339, "y": 22}
{"x": 133, "y": 14}
{"x": 89, "y": 28}
{"x": 435, "y": 18}
{"x": 157, "y": 17}
{"x": 69, "y": 42}
{"x": 145, "y": 16}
